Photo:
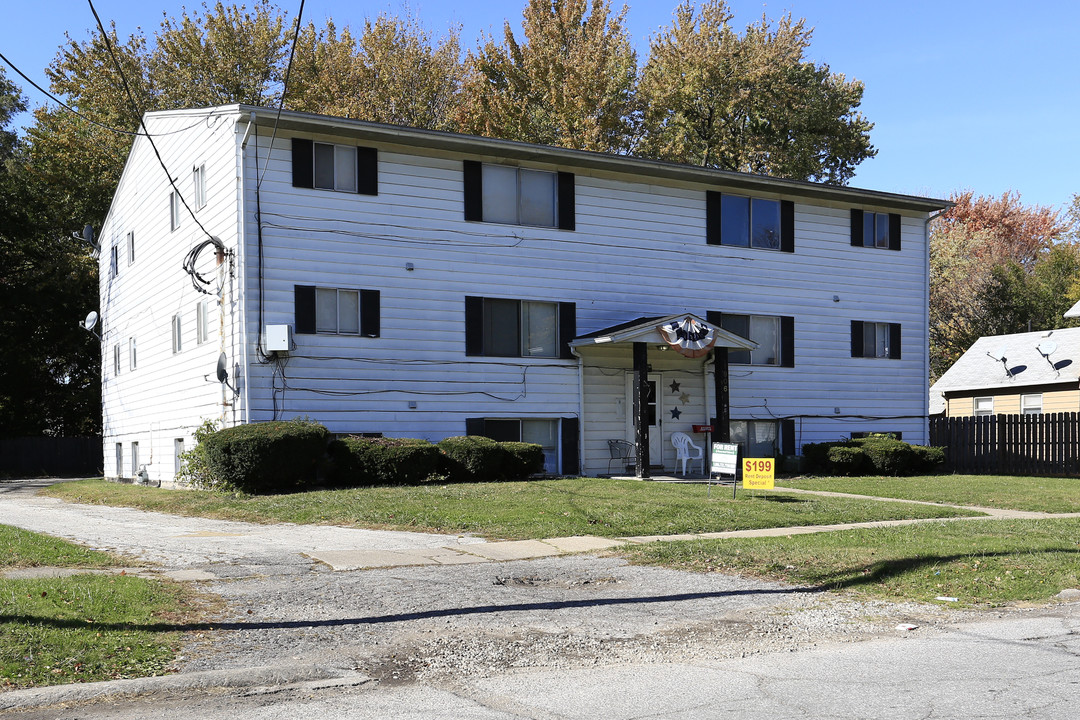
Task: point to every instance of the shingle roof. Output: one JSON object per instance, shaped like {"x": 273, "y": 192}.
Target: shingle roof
{"x": 977, "y": 369}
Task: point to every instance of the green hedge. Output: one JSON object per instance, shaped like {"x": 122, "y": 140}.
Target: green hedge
{"x": 876, "y": 454}
{"x": 356, "y": 461}
{"x": 280, "y": 456}
{"x": 479, "y": 459}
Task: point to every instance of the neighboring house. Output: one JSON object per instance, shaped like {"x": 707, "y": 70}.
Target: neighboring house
{"x": 1026, "y": 373}
{"x": 387, "y": 280}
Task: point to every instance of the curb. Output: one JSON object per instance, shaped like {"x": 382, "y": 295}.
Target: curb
{"x": 282, "y": 675}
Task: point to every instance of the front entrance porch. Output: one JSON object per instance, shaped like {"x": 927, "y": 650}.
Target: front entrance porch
{"x": 644, "y": 381}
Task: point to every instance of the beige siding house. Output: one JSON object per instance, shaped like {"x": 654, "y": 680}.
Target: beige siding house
{"x": 1021, "y": 374}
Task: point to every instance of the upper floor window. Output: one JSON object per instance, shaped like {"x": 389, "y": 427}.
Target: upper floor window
{"x": 199, "y": 177}
{"x": 132, "y": 358}
{"x": 519, "y": 196}
{"x": 742, "y": 221}
{"x": 499, "y": 327}
{"x": 774, "y": 335}
{"x": 328, "y": 166}
{"x": 876, "y": 230}
{"x": 174, "y": 210}
{"x": 202, "y": 322}
{"x": 131, "y": 247}
{"x": 337, "y": 311}
{"x": 984, "y": 406}
{"x": 177, "y": 337}
{"x": 114, "y": 261}
{"x": 116, "y": 359}
{"x": 1031, "y": 404}
{"x": 875, "y": 339}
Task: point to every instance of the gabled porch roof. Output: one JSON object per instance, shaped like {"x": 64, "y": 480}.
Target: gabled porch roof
{"x": 644, "y": 330}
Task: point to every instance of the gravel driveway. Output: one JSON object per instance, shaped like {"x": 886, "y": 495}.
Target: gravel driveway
{"x": 431, "y": 622}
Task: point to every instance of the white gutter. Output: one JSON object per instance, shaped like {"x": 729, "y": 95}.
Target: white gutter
{"x": 581, "y": 409}
{"x": 241, "y": 246}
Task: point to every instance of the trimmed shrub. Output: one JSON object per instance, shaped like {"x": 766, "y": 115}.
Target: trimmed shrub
{"x": 359, "y": 461}
{"x": 844, "y": 460}
{"x": 877, "y": 454}
{"x": 473, "y": 458}
{"x": 280, "y": 456}
{"x": 522, "y": 459}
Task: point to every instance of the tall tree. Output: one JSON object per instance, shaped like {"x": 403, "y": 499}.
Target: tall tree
{"x": 749, "y": 102}
{"x": 396, "y": 72}
{"x": 569, "y": 82}
{"x": 982, "y": 251}
{"x": 49, "y": 380}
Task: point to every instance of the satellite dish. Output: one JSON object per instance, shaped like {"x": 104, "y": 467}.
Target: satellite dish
{"x": 1046, "y": 347}
{"x": 88, "y": 233}
{"x": 91, "y": 320}
{"x": 998, "y": 354}
{"x": 222, "y": 371}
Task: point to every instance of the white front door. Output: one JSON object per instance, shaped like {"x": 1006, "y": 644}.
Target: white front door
{"x": 654, "y": 413}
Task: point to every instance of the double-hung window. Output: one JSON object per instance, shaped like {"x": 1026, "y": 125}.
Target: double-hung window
{"x": 199, "y": 177}
{"x": 498, "y": 327}
{"x": 132, "y": 359}
{"x": 332, "y": 166}
{"x": 558, "y": 437}
{"x": 1031, "y": 404}
{"x": 984, "y": 406}
{"x": 114, "y": 261}
{"x": 875, "y": 339}
{"x": 337, "y": 311}
{"x": 875, "y": 230}
{"x": 177, "y": 337}
{"x": 519, "y": 196}
{"x": 202, "y": 322}
{"x": 174, "y": 210}
{"x": 741, "y": 221}
{"x": 131, "y": 247}
{"x": 116, "y": 359}
{"x": 774, "y": 335}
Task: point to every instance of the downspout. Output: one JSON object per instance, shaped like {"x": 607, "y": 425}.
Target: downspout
{"x": 926, "y": 324}
{"x": 581, "y": 408}
{"x": 241, "y": 247}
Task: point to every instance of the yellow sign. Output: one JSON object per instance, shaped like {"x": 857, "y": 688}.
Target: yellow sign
{"x": 758, "y": 473}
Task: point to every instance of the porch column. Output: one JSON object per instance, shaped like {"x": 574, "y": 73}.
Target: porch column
{"x": 641, "y": 407}
{"x": 722, "y": 433}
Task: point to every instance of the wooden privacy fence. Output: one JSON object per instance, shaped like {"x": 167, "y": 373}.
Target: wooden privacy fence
{"x": 1045, "y": 444}
{"x": 55, "y": 456}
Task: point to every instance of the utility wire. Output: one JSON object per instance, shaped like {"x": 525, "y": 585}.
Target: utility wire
{"x": 142, "y": 123}
{"x": 281, "y": 101}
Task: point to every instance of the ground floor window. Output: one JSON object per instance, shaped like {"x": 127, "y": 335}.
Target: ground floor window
{"x": 758, "y": 438}
{"x": 119, "y": 460}
{"x": 1031, "y": 404}
{"x": 543, "y": 432}
{"x": 134, "y": 459}
{"x": 178, "y": 453}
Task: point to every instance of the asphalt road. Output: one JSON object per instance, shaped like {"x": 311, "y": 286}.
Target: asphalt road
{"x": 560, "y": 637}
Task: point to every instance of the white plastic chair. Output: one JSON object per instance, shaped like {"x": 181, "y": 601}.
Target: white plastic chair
{"x": 683, "y": 443}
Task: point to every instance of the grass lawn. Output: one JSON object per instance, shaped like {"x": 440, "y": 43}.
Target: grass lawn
{"x": 1045, "y": 494}
{"x": 81, "y": 628}
{"x": 514, "y": 510}
{"x": 986, "y": 562}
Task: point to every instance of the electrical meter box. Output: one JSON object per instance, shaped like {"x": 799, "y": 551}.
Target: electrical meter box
{"x": 278, "y": 338}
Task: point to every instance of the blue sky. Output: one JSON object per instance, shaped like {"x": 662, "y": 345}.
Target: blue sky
{"x": 964, "y": 94}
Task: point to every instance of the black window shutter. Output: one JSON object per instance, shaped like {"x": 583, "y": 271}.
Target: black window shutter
{"x": 474, "y": 190}
{"x": 787, "y": 341}
{"x": 567, "y": 213}
{"x": 370, "y": 302}
{"x": 787, "y": 226}
{"x": 712, "y": 218}
{"x": 856, "y": 338}
{"x": 367, "y": 171}
{"x": 787, "y": 436}
{"x": 474, "y": 426}
{"x": 567, "y": 328}
{"x": 304, "y": 308}
{"x": 894, "y": 231}
{"x": 303, "y": 163}
{"x": 474, "y": 325}
{"x": 894, "y": 341}
{"x": 856, "y": 228}
{"x": 571, "y": 462}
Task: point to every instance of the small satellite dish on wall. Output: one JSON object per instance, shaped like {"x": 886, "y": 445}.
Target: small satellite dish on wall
{"x": 91, "y": 320}
{"x": 222, "y": 369}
